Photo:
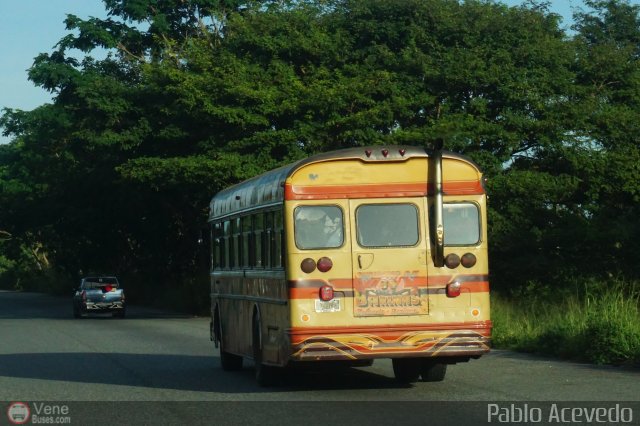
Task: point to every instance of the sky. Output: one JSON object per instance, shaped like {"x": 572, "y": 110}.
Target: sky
{"x": 31, "y": 27}
{"x": 28, "y": 28}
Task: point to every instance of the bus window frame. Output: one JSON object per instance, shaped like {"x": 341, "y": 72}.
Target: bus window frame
{"x": 295, "y": 227}
{"x": 268, "y": 243}
{"x": 393, "y": 246}
{"x": 227, "y": 238}
{"x": 231, "y": 234}
{"x": 478, "y": 210}
{"x": 217, "y": 249}
{"x": 245, "y": 241}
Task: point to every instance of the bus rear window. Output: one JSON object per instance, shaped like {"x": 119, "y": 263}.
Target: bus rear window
{"x": 461, "y": 224}
{"x": 387, "y": 225}
{"x": 318, "y": 227}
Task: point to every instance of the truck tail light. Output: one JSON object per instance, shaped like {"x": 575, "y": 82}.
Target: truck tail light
{"x": 326, "y": 293}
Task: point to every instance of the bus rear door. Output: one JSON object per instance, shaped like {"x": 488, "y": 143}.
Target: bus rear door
{"x": 389, "y": 257}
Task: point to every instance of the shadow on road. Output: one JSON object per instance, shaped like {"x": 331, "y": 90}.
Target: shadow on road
{"x": 200, "y": 373}
{"x": 21, "y": 305}
{"x": 178, "y": 372}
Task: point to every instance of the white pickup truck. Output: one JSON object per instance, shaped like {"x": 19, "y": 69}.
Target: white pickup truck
{"x": 99, "y": 294}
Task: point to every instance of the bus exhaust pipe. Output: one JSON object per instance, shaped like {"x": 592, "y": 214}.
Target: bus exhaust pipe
{"x": 438, "y": 222}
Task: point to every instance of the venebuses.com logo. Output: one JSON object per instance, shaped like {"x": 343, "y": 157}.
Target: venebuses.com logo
{"x": 18, "y": 413}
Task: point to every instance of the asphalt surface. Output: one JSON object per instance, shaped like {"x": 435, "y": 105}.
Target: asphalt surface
{"x": 157, "y": 367}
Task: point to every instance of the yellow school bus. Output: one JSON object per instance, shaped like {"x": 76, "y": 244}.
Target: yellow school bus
{"x": 353, "y": 255}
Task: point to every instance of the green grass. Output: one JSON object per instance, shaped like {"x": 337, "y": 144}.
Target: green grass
{"x": 597, "y": 322}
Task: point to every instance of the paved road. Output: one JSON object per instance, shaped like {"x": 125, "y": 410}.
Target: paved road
{"x": 46, "y": 355}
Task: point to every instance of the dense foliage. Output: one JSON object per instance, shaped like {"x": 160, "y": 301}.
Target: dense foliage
{"x": 116, "y": 173}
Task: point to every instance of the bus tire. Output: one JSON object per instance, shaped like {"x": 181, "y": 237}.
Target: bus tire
{"x": 266, "y": 375}
{"x": 228, "y": 361}
{"x": 406, "y": 370}
{"x": 432, "y": 371}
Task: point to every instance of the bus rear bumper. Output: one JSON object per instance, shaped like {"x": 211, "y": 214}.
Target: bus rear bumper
{"x": 470, "y": 341}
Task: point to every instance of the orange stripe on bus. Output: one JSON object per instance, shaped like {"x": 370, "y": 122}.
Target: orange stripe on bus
{"x": 347, "y": 282}
{"x": 481, "y": 327}
{"x": 309, "y": 289}
{"x": 382, "y": 190}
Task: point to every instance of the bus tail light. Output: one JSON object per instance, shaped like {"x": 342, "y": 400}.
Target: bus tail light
{"x": 452, "y": 261}
{"x": 468, "y": 260}
{"x": 453, "y": 289}
{"x": 308, "y": 265}
{"x": 326, "y": 293}
{"x": 324, "y": 264}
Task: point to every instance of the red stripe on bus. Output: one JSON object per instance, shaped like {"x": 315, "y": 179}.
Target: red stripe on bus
{"x": 381, "y": 190}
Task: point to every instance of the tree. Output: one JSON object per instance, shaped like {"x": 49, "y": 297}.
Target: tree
{"x": 195, "y": 95}
{"x": 608, "y": 81}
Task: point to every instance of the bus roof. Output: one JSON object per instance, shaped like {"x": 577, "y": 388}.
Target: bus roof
{"x": 268, "y": 189}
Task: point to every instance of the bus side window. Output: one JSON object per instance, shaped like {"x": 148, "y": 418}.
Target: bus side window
{"x": 258, "y": 233}
{"x": 226, "y": 241}
{"x": 245, "y": 229}
{"x": 237, "y": 249}
{"x": 268, "y": 243}
{"x": 278, "y": 238}
{"x": 218, "y": 245}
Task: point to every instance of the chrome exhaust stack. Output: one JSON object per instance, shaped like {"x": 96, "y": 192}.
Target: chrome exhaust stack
{"x": 437, "y": 226}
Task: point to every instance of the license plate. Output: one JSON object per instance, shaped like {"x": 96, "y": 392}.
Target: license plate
{"x": 328, "y": 306}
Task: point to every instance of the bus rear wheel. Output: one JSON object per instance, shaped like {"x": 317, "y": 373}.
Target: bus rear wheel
{"x": 228, "y": 361}
{"x": 266, "y": 375}
{"x": 432, "y": 371}
{"x": 406, "y": 370}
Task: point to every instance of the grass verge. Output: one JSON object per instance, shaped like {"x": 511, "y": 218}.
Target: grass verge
{"x": 597, "y": 322}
